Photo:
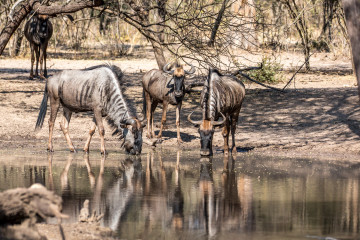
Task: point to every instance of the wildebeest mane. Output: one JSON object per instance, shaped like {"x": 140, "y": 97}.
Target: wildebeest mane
{"x": 206, "y": 94}
{"x": 129, "y": 102}
{"x": 115, "y": 69}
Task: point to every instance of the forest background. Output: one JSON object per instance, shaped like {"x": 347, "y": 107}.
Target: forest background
{"x": 224, "y": 34}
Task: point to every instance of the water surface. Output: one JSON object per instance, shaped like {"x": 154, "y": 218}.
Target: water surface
{"x": 173, "y": 194}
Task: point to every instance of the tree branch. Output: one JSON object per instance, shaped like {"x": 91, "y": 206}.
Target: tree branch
{"x": 35, "y": 5}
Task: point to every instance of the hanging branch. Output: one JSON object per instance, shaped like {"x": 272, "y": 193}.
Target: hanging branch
{"x": 293, "y": 76}
{"x": 260, "y": 83}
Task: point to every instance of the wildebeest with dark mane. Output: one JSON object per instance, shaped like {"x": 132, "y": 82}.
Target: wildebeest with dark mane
{"x": 221, "y": 96}
{"x": 96, "y": 89}
{"x": 166, "y": 87}
{"x": 38, "y": 31}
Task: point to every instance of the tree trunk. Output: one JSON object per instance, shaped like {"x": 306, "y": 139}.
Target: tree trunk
{"x": 29, "y": 5}
{"x": 352, "y": 15}
{"x": 162, "y": 15}
{"x": 217, "y": 23}
{"x": 11, "y": 26}
{"x": 159, "y": 53}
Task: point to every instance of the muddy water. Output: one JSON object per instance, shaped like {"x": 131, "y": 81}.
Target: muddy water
{"x": 178, "y": 195}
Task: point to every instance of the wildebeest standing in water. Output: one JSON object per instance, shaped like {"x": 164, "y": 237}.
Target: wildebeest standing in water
{"x": 222, "y": 95}
{"x": 38, "y": 31}
{"x": 95, "y": 89}
{"x": 166, "y": 87}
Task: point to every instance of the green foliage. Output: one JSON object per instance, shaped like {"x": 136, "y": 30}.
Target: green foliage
{"x": 269, "y": 73}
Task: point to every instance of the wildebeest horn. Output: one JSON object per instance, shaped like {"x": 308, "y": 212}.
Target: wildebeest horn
{"x": 217, "y": 123}
{"x": 192, "y": 70}
{"x": 198, "y": 122}
{"x": 128, "y": 121}
{"x": 143, "y": 122}
{"x": 165, "y": 69}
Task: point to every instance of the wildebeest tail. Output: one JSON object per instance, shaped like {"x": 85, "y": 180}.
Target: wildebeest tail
{"x": 43, "y": 109}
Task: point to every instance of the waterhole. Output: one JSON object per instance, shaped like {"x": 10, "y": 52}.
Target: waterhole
{"x": 170, "y": 194}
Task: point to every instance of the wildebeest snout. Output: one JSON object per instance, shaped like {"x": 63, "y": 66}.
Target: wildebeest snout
{"x": 131, "y": 148}
{"x": 178, "y": 93}
{"x": 205, "y": 152}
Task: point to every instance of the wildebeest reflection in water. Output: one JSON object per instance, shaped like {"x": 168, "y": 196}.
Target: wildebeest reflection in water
{"x": 228, "y": 208}
{"x": 168, "y": 195}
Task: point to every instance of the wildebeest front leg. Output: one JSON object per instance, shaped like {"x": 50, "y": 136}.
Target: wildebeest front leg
{"x": 91, "y": 133}
{"x": 37, "y": 54}
{"x": 99, "y": 123}
{"x": 32, "y": 46}
{"x": 42, "y": 50}
{"x": 54, "y": 105}
{"x": 163, "y": 119}
{"x": 225, "y": 133}
{"x": 234, "y": 119}
{"x": 64, "y": 124}
{"x": 178, "y": 109}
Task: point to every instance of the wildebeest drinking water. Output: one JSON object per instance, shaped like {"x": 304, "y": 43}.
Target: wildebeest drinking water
{"x": 166, "y": 87}
{"x": 95, "y": 89}
{"x": 38, "y": 30}
{"x": 222, "y": 95}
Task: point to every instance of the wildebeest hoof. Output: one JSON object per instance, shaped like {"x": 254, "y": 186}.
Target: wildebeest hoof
{"x": 150, "y": 142}
{"x": 164, "y": 127}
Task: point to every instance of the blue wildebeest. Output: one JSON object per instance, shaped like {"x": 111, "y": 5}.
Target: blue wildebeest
{"x": 222, "y": 95}
{"x": 166, "y": 87}
{"x": 95, "y": 89}
{"x": 38, "y": 30}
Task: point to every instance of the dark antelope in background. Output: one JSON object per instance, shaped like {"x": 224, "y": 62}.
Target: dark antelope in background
{"x": 38, "y": 31}
{"x": 166, "y": 87}
{"x": 222, "y": 95}
{"x": 96, "y": 89}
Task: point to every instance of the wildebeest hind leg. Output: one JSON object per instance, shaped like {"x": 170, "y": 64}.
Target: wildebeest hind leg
{"x": 91, "y": 133}
{"x": 64, "y": 124}
{"x": 234, "y": 119}
{"x": 54, "y": 105}
{"x": 225, "y": 133}
{"x": 163, "y": 119}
